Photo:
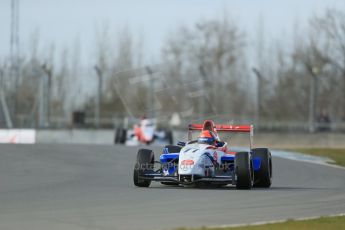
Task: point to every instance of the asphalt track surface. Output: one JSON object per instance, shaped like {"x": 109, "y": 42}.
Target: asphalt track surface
{"x": 90, "y": 187}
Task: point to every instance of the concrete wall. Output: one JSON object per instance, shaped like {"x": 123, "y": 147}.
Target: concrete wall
{"x": 75, "y": 136}
{"x": 270, "y": 140}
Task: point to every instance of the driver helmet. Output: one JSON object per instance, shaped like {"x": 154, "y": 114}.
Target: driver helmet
{"x": 207, "y": 137}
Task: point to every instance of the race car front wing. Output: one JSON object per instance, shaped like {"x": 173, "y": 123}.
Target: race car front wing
{"x": 188, "y": 180}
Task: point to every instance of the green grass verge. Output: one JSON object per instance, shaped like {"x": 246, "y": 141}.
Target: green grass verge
{"x": 338, "y": 155}
{"x": 320, "y": 223}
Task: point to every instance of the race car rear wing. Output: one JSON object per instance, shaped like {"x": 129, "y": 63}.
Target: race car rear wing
{"x": 225, "y": 128}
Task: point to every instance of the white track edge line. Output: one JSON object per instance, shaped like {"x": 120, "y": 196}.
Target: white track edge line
{"x": 273, "y": 221}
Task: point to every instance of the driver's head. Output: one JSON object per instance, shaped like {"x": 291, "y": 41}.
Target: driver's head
{"x": 207, "y": 137}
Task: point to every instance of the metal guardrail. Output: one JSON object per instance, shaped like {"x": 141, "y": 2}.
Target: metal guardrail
{"x": 112, "y": 122}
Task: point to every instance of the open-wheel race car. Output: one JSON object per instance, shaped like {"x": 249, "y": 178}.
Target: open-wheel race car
{"x": 145, "y": 132}
{"x": 206, "y": 161}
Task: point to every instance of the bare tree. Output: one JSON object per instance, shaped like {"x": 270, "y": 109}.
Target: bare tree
{"x": 329, "y": 32}
{"x": 209, "y": 53}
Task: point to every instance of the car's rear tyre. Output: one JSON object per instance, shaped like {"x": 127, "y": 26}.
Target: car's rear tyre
{"x": 123, "y": 136}
{"x": 173, "y": 148}
{"x": 169, "y": 137}
{"x": 117, "y": 136}
{"x": 120, "y": 136}
{"x": 263, "y": 177}
{"x": 144, "y": 165}
{"x": 244, "y": 171}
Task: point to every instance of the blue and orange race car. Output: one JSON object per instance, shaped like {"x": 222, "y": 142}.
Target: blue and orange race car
{"x": 206, "y": 161}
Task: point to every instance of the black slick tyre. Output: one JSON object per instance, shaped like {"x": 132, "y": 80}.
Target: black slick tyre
{"x": 263, "y": 177}
{"x": 144, "y": 165}
{"x": 244, "y": 171}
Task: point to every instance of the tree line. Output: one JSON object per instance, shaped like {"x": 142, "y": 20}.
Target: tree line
{"x": 211, "y": 69}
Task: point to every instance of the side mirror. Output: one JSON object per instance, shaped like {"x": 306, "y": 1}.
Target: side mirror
{"x": 219, "y": 144}
{"x": 181, "y": 143}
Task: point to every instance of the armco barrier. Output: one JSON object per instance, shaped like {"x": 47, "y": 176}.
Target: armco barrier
{"x": 106, "y": 136}
{"x": 76, "y": 136}
{"x": 17, "y": 136}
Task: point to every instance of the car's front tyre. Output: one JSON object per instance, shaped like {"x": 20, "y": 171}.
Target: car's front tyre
{"x": 144, "y": 164}
{"x": 244, "y": 171}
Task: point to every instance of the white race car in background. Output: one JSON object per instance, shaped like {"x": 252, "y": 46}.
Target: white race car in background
{"x": 146, "y": 132}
